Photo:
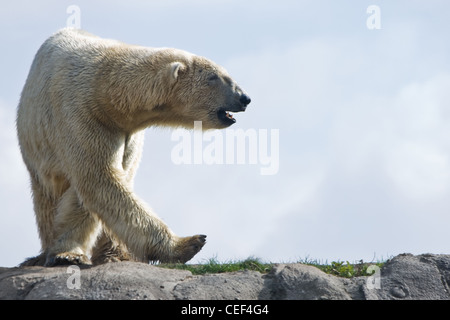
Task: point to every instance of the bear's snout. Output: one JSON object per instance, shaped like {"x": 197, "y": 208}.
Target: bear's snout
{"x": 245, "y": 100}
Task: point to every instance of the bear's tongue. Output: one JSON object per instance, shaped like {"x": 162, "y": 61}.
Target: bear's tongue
{"x": 228, "y": 115}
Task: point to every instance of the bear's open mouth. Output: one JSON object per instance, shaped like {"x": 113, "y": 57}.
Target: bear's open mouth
{"x": 226, "y": 117}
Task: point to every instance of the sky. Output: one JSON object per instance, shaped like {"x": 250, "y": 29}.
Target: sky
{"x": 350, "y": 112}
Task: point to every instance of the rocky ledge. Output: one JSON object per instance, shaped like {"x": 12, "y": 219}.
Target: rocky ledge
{"x": 405, "y": 276}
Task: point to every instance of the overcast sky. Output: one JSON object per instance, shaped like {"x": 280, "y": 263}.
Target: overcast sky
{"x": 359, "y": 101}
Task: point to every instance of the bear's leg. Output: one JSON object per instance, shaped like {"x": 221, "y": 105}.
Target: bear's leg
{"x": 95, "y": 169}
{"x": 44, "y": 208}
{"x": 146, "y": 236}
{"x": 109, "y": 249}
{"x": 76, "y": 230}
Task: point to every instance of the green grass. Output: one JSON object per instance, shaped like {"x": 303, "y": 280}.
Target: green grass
{"x": 214, "y": 266}
{"x": 336, "y": 268}
{"x": 347, "y": 269}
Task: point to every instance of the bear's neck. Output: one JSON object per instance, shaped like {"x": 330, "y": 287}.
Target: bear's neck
{"x": 131, "y": 92}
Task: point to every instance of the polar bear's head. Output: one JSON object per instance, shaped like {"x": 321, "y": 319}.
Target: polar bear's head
{"x": 204, "y": 91}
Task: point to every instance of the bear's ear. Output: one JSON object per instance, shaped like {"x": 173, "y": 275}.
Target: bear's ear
{"x": 175, "y": 69}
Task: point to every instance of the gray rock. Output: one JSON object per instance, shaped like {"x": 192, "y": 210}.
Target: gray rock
{"x": 404, "y": 277}
{"x": 303, "y": 282}
{"x": 124, "y": 280}
{"x": 243, "y": 285}
{"x": 416, "y": 277}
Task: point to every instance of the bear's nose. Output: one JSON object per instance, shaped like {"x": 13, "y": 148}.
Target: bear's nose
{"x": 245, "y": 99}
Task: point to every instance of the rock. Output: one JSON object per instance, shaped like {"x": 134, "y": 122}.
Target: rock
{"x": 303, "y": 282}
{"x": 416, "y": 277}
{"x": 244, "y": 285}
{"x": 124, "y": 280}
{"x": 403, "y": 277}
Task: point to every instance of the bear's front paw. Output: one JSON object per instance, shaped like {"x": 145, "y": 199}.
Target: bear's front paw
{"x": 67, "y": 258}
{"x": 186, "y": 248}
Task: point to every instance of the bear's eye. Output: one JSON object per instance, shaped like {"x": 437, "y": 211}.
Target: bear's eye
{"x": 213, "y": 77}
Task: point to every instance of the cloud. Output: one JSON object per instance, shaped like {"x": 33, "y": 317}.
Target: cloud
{"x": 418, "y": 161}
{"x": 362, "y": 117}
{"x": 11, "y": 168}
{"x": 18, "y": 236}
{"x": 380, "y": 148}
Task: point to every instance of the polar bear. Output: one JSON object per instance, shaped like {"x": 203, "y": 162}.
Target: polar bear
{"x": 80, "y": 123}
